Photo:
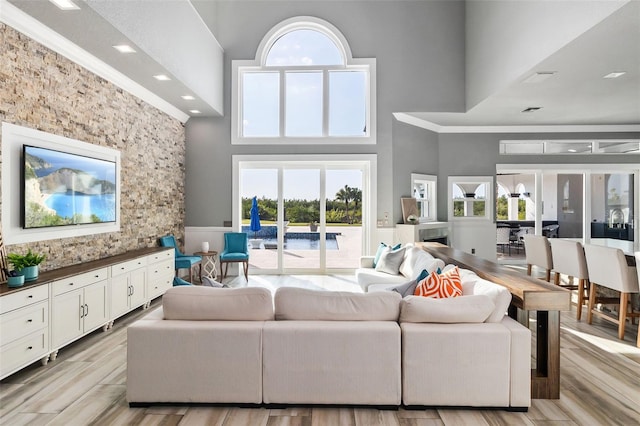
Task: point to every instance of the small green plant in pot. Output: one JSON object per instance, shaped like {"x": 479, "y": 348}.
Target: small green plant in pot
{"x": 26, "y": 264}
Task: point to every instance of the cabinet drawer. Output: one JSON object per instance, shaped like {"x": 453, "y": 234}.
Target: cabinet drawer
{"x": 23, "y": 297}
{"x": 24, "y": 351}
{"x": 128, "y": 266}
{"x": 79, "y": 281}
{"x": 160, "y": 268}
{"x": 157, "y": 257}
{"x": 23, "y": 321}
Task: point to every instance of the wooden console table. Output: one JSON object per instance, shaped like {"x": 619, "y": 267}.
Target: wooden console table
{"x": 529, "y": 294}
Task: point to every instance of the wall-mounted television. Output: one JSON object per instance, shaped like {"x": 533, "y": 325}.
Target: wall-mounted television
{"x": 62, "y": 189}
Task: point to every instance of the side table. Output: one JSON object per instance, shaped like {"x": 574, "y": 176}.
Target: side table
{"x": 208, "y": 264}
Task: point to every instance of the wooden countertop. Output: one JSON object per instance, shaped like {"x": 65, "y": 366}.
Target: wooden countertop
{"x": 69, "y": 271}
{"x": 528, "y": 293}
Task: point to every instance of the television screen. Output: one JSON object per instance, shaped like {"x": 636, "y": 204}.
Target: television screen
{"x": 61, "y": 189}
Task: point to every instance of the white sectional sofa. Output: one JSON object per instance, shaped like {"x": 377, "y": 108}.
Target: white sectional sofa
{"x": 231, "y": 346}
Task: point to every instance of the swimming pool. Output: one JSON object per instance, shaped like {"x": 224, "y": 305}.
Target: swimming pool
{"x": 302, "y": 241}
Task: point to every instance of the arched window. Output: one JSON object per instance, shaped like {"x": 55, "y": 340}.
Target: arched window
{"x": 303, "y": 87}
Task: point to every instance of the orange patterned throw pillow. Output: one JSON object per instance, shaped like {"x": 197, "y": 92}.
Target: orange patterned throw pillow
{"x": 441, "y": 286}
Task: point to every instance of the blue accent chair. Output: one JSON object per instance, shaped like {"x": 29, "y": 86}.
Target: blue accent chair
{"x": 236, "y": 250}
{"x": 177, "y": 281}
{"x": 183, "y": 261}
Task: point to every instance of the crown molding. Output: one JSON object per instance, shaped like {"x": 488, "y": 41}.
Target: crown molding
{"x": 582, "y": 128}
{"x": 34, "y": 29}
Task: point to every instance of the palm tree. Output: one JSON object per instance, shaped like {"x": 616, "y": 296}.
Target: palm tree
{"x": 356, "y": 196}
{"x": 344, "y": 195}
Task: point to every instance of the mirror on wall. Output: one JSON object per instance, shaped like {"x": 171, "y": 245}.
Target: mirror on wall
{"x": 423, "y": 189}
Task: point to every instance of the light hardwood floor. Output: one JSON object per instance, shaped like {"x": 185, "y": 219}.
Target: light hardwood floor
{"x": 600, "y": 384}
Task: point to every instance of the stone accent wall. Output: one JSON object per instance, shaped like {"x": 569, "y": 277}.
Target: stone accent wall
{"x": 43, "y": 90}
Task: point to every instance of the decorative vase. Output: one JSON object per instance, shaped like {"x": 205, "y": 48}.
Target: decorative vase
{"x": 17, "y": 281}
{"x": 30, "y": 273}
{"x": 205, "y": 246}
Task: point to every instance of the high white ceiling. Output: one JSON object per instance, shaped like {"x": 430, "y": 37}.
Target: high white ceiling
{"x": 575, "y": 95}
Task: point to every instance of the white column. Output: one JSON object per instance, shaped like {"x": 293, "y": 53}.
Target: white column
{"x": 512, "y": 208}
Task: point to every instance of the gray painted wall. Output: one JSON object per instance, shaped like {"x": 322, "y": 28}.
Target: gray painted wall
{"x": 415, "y": 150}
{"x": 419, "y": 49}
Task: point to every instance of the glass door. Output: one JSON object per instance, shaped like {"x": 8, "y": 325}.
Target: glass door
{"x": 301, "y": 195}
{"x": 311, "y": 214}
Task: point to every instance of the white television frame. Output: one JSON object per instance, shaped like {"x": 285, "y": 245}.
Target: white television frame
{"x": 13, "y": 138}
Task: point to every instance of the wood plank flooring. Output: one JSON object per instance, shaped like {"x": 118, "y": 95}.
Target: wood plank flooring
{"x": 600, "y": 384}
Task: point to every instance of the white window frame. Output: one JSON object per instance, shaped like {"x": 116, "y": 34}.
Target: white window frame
{"x": 489, "y": 205}
{"x": 239, "y": 67}
{"x": 428, "y": 206}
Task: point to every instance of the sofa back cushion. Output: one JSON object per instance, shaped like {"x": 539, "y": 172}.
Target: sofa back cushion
{"x": 197, "y": 303}
{"x": 463, "y": 309}
{"x": 312, "y": 305}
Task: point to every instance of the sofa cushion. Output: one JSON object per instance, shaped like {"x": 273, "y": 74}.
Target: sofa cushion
{"x": 467, "y": 309}
{"x": 446, "y": 284}
{"x": 390, "y": 260}
{"x": 198, "y": 303}
{"x": 500, "y": 296}
{"x": 381, "y": 248}
{"x": 416, "y": 260}
{"x": 406, "y": 289}
{"x": 312, "y": 305}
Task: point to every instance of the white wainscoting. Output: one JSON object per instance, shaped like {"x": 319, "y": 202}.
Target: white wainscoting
{"x": 194, "y": 236}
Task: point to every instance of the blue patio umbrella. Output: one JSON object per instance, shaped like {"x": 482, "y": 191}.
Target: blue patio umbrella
{"x": 255, "y": 217}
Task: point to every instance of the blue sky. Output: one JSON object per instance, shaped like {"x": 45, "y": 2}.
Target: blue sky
{"x": 304, "y": 91}
{"x": 298, "y": 183}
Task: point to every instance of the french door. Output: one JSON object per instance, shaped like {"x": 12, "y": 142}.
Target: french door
{"x": 314, "y": 211}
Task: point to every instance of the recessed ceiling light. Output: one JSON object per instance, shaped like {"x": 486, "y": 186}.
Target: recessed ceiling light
{"x": 124, "y": 48}
{"x": 531, "y": 109}
{"x": 615, "y": 74}
{"x": 539, "y": 77}
{"x": 65, "y": 4}
{"x": 161, "y": 77}
{"x": 194, "y": 111}
{"x": 188, "y": 97}
{"x": 572, "y": 150}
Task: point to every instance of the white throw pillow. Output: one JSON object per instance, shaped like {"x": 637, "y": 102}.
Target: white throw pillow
{"x": 390, "y": 260}
{"x": 499, "y": 295}
{"x": 463, "y": 309}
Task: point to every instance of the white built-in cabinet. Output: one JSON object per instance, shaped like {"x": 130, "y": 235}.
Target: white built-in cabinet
{"x": 63, "y": 305}
{"x": 128, "y": 284}
{"x": 79, "y": 307}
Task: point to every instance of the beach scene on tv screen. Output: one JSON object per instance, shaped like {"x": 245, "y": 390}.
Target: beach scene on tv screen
{"x": 67, "y": 189}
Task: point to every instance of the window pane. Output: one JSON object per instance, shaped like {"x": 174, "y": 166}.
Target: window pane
{"x": 347, "y": 103}
{"x": 304, "y": 47}
{"x": 260, "y": 104}
{"x": 304, "y": 104}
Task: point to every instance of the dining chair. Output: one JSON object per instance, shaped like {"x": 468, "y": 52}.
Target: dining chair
{"x": 608, "y": 268}
{"x": 568, "y": 259}
{"x": 538, "y": 253}
{"x": 502, "y": 238}
{"x": 236, "y": 249}
{"x": 183, "y": 261}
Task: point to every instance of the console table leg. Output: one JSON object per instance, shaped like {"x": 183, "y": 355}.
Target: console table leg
{"x": 45, "y": 360}
{"x": 53, "y": 355}
{"x": 545, "y": 382}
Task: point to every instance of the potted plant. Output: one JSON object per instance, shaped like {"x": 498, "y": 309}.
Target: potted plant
{"x": 26, "y": 264}
{"x": 313, "y": 226}
{"x": 14, "y": 278}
